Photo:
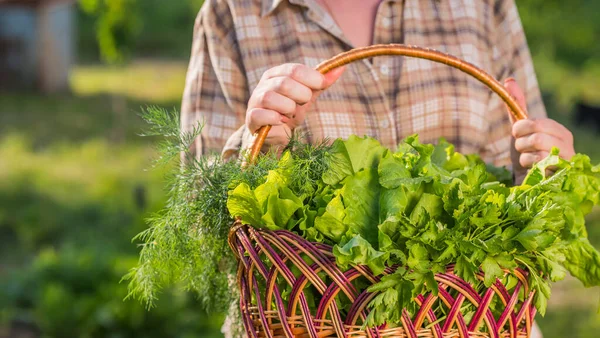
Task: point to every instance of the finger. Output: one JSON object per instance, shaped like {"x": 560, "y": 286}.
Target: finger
{"x": 547, "y": 126}
{"x": 279, "y": 135}
{"x": 277, "y": 139}
{"x": 299, "y": 72}
{"x": 523, "y": 128}
{"x": 290, "y": 88}
{"x": 298, "y": 118}
{"x": 332, "y": 76}
{"x": 515, "y": 91}
{"x": 274, "y": 101}
{"x": 537, "y": 141}
{"x": 258, "y": 117}
{"x": 527, "y": 160}
{"x": 553, "y": 128}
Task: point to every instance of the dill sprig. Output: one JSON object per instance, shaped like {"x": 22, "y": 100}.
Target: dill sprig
{"x": 186, "y": 243}
{"x": 310, "y": 162}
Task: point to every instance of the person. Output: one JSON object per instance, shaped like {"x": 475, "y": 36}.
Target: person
{"x": 253, "y": 63}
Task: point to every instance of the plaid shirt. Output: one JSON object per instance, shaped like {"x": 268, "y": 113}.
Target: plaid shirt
{"x": 388, "y": 98}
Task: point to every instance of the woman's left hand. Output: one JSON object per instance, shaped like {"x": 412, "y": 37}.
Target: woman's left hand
{"x": 534, "y": 138}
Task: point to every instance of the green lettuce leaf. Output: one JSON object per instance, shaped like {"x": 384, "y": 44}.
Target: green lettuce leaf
{"x": 583, "y": 262}
{"x": 242, "y": 203}
{"x": 359, "y": 251}
{"x": 331, "y": 223}
{"x": 360, "y": 194}
{"x": 350, "y": 156}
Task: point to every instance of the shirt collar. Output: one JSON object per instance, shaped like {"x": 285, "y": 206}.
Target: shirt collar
{"x": 269, "y": 6}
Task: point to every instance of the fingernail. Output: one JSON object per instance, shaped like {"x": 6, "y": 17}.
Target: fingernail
{"x": 510, "y": 79}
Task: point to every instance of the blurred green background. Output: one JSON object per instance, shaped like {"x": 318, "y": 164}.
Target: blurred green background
{"x": 75, "y": 185}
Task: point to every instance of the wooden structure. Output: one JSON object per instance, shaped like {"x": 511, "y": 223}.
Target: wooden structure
{"x": 36, "y": 44}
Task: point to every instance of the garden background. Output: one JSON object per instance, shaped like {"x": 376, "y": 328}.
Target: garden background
{"x": 75, "y": 185}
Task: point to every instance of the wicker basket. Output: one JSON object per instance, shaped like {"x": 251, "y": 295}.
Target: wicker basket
{"x": 268, "y": 259}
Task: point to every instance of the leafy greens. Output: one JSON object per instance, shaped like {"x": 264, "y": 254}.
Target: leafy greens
{"x": 425, "y": 207}
{"x": 421, "y": 207}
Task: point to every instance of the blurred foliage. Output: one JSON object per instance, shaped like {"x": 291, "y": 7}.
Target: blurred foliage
{"x": 117, "y": 30}
{"x": 75, "y": 187}
{"x": 566, "y": 31}
{"x": 133, "y": 81}
{"x": 117, "y": 24}
{"x": 563, "y": 39}
{"x": 67, "y": 213}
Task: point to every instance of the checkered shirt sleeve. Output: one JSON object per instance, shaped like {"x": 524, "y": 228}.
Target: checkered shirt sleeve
{"x": 216, "y": 90}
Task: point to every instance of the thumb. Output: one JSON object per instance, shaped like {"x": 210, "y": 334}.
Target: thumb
{"x": 517, "y": 93}
{"x": 332, "y": 76}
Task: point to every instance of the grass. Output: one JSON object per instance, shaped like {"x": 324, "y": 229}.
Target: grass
{"x": 159, "y": 82}
{"x": 104, "y": 105}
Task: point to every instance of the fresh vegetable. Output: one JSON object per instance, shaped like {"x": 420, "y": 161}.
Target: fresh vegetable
{"x": 422, "y": 207}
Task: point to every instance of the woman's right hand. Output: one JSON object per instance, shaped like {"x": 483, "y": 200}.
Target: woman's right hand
{"x": 283, "y": 96}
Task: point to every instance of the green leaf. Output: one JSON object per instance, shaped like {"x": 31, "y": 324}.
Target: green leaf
{"x": 428, "y": 204}
{"x": 331, "y": 223}
{"x": 399, "y": 201}
{"x": 538, "y": 172}
{"x": 338, "y": 162}
{"x": 280, "y": 206}
{"x": 393, "y": 173}
{"x": 389, "y": 233}
{"x": 465, "y": 269}
{"x": 418, "y": 258}
{"x": 445, "y": 156}
{"x": 506, "y": 261}
{"x": 242, "y": 203}
{"x": 449, "y": 254}
{"x": 501, "y": 175}
{"x": 583, "y": 262}
{"x": 491, "y": 270}
{"x": 430, "y": 282}
{"x": 535, "y": 239}
{"x": 357, "y": 251}
{"x": 360, "y": 194}
{"x": 274, "y": 182}
{"x": 364, "y": 153}
{"x": 476, "y": 176}
{"x": 350, "y": 156}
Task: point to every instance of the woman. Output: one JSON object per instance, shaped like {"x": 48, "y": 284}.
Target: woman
{"x": 241, "y": 76}
{"x": 253, "y": 64}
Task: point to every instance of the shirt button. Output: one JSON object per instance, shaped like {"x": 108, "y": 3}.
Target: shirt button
{"x": 386, "y": 22}
{"x": 384, "y": 124}
{"x": 384, "y": 69}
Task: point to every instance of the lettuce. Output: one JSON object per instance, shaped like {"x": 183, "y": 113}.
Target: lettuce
{"x": 424, "y": 207}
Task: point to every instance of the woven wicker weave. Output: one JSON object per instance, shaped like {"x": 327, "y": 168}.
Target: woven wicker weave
{"x": 270, "y": 259}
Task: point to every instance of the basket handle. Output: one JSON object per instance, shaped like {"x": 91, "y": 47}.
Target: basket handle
{"x": 404, "y": 50}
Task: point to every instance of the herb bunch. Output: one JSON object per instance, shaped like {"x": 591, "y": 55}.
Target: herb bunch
{"x": 186, "y": 243}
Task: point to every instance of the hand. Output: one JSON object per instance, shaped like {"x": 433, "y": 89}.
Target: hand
{"x": 283, "y": 96}
{"x": 534, "y": 138}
